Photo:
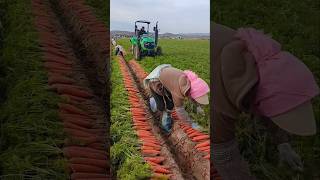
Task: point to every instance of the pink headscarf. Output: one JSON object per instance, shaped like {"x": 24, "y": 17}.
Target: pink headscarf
{"x": 284, "y": 81}
{"x": 198, "y": 86}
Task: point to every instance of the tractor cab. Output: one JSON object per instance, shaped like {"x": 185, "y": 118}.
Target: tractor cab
{"x": 143, "y": 42}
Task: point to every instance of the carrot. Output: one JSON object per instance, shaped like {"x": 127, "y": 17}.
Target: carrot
{"x": 73, "y": 90}
{"x": 71, "y": 97}
{"x": 205, "y": 143}
{"x": 88, "y": 161}
{"x": 86, "y": 168}
{"x": 78, "y": 122}
{"x": 77, "y": 175}
{"x": 207, "y": 156}
{"x": 59, "y": 79}
{"x": 157, "y": 160}
{"x": 99, "y": 146}
{"x": 203, "y": 148}
{"x": 87, "y": 149}
{"x": 150, "y": 152}
{"x": 89, "y": 140}
{"x": 199, "y": 138}
{"x": 195, "y": 134}
{"x": 160, "y": 169}
{"x": 72, "y": 109}
{"x": 78, "y": 133}
{"x": 72, "y": 152}
{"x": 151, "y": 144}
{"x": 150, "y": 148}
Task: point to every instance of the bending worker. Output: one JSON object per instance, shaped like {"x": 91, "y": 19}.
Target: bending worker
{"x": 169, "y": 87}
{"x": 252, "y": 74}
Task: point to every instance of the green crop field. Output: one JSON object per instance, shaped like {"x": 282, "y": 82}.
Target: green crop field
{"x": 296, "y": 25}
{"x": 185, "y": 54}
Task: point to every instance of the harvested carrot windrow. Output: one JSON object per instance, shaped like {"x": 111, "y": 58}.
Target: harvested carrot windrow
{"x": 151, "y": 144}
{"x": 199, "y": 138}
{"x": 205, "y": 143}
{"x": 59, "y": 79}
{"x": 87, "y": 149}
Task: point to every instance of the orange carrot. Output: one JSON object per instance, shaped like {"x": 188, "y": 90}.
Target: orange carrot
{"x": 199, "y": 138}
{"x": 157, "y": 160}
{"x": 205, "y": 143}
{"x": 86, "y": 168}
{"x": 88, "y": 161}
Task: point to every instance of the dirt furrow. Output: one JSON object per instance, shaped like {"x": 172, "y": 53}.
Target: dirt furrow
{"x": 72, "y": 74}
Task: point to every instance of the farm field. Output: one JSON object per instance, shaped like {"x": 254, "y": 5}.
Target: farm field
{"x": 295, "y": 24}
{"x": 192, "y": 54}
{"x": 178, "y": 57}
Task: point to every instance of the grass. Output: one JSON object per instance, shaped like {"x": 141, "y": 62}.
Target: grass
{"x": 296, "y": 25}
{"x": 126, "y": 160}
{"x": 31, "y": 134}
{"x": 182, "y": 54}
{"x": 101, "y": 9}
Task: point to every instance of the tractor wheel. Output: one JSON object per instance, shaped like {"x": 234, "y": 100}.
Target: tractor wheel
{"x": 137, "y": 53}
{"x": 159, "y": 51}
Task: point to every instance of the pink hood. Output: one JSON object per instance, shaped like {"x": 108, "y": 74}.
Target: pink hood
{"x": 284, "y": 81}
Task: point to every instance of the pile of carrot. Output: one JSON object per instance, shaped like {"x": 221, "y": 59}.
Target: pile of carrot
{"x": 150, "y": 146}
{"x": 85, "y": 144}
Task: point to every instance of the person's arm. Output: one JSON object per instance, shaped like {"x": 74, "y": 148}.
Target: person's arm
{"x": 282, "y": 138}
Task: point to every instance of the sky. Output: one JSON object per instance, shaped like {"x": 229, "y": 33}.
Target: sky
{"x": 173, "y": 16}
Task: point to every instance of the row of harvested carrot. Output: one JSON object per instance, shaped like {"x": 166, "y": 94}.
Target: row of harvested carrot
{"x": 150, "y": 146}
{"x": 84, "y": 146}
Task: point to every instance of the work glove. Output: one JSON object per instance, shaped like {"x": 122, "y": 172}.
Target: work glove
{"x": 166, "y": 122}
{"x": 288, "y": 155}
{"x": 229, "y": 162}
{"x": 153, "y": 104}
{"x": 200, "y": 111}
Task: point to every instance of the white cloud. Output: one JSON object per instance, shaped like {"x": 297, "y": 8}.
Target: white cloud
{"x": 175, "y": 16}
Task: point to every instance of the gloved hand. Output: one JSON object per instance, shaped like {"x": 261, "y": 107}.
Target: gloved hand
{"x": 200, "y": 111}
{"x": 229, "y": 162}
{"x": 183, "y": 115}
{"x": 166, "y": 122}
{"x": 153, "y": 104}
{"x": 288, "y": 155}
{"x": 196, "y": 126}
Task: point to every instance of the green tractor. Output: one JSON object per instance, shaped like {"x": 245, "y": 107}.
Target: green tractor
{"x": 144, "y": 43}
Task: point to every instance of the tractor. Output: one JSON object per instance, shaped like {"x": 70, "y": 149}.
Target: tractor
{"x": 144, "y": 43}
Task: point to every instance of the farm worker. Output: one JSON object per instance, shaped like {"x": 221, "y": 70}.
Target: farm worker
{"x": 114, "y": 43}
{"x": 142, "y": 31}
{"x": 252, "y": 74}
{"x": 120, "y": 50}
{"x": 169, "y": 87}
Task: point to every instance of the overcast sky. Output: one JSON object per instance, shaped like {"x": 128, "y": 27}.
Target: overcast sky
{"x": 174, "y": 16}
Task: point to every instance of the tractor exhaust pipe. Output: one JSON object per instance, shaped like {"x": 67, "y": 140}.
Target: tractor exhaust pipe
{"x": 156, "y": 31}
